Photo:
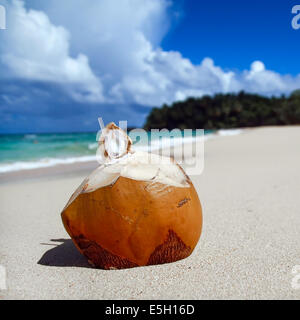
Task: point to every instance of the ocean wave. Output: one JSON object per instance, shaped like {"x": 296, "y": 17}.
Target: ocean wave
{"x": 166, "y": 142}
{"x": 30, "y": 136}
{"x": 42, "y": 163}
{"x": 93, "y": 146}
{"x": 229, "y": 132}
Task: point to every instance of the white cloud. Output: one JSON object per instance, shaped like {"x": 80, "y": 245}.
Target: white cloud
{"x": 126, "y": 63}
{"x": 33, "y": 48}
{"x": 258, "y": 79}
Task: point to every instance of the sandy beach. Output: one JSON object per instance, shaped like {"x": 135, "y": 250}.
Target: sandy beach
{"x": 250, "y": 242}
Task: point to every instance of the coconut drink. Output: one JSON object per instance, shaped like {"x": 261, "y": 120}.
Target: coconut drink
{"x": 135, "y": 209}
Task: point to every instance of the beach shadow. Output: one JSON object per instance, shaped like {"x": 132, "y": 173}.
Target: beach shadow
{"x": 64, "y": 254}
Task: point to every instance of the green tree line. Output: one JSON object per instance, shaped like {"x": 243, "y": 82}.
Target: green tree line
{"x": 223, "y": 111}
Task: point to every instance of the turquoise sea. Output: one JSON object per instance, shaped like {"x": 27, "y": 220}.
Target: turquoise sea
{"x": 29, "y": 151}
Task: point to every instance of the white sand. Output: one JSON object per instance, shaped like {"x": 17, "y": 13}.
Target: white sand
{"x": 250, "y": 192}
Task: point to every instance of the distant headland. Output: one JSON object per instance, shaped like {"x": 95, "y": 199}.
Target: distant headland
{"x": 224, "y": 111}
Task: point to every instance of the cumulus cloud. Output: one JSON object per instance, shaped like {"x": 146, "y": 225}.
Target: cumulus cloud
{"x": 35, "y": 49}
{"x": 111, "y": 54}
{"x": 261, "y": 80}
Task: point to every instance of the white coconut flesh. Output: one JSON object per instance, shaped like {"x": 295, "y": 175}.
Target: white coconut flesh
{"x": 119, "y": 160}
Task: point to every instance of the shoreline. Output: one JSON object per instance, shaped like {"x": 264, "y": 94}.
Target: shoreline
{"x": 63, "y": 170}
{"x": 79, "y": 166}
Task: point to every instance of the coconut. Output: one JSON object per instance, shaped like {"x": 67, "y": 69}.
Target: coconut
{"x": 135, "y": 209}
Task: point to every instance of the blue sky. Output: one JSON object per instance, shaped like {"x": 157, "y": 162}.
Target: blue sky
{"x": 235, "y": 33}
{"x": 63, "y": 64}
